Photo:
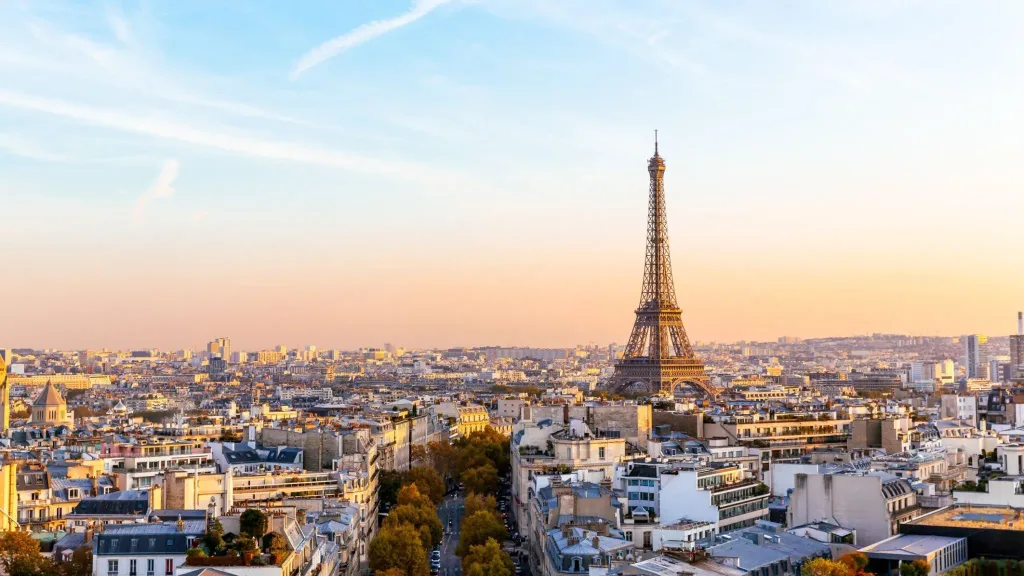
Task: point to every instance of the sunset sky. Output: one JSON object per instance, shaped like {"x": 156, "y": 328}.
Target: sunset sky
{"x": 444, "y": 173}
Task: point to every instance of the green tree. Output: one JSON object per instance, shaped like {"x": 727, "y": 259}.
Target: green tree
{"x": 487, "y": 559}
{"x": 253, "y": 523}
{"x": 825, "y": 567}
{"x": 389, "y": 484}
{"x": 915, "y": 568}
{"x": 476, "y": 529}
{"x": 482, "y": 479}
{"x": 428, "y": 481}
{"x": 274, "y": 542}
{"x": 398, "y": 548}
{"x": 213, "y": 541}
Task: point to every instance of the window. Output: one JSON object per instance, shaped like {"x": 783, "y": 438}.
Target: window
{"x": 168, "y": 567}
{"x": 135, "y": 544}
{"x": 111, "y": 567}
{"x": 132, "y": 567}
{"x": 150, "y": 567}
{"x": 600, "y": 453}
{"x": 73, "y": 493}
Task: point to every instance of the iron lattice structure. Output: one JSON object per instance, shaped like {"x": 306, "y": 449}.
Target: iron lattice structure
{"x": 659, "y": 356}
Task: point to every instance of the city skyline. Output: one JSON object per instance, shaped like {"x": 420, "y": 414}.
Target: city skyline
{"x": 172, "y": 181}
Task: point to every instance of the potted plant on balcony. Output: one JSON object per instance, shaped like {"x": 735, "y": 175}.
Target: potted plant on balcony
{"x": 248, "y": 548}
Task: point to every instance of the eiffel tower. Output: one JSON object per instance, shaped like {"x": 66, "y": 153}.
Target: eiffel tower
{"x": 659, "y": 356}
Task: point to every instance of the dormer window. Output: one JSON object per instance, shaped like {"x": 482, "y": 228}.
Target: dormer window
{"x": 73, "y": 494}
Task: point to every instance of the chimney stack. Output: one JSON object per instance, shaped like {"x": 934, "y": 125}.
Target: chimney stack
{"x": 181, "y": 524}
{"x": 1020, "y": 323}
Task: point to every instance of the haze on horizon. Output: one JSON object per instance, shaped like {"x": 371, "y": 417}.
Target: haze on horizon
{"x": 440, "y": 173}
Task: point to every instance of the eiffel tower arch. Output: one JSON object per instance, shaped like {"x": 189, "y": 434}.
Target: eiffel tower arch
{"x": 658, "y": 356}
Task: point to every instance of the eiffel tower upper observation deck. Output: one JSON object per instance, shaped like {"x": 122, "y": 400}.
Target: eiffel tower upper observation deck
{"x": 659, "y": 356}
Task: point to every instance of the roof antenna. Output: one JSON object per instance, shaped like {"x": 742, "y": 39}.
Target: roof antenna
{"x": 655, "y": 142}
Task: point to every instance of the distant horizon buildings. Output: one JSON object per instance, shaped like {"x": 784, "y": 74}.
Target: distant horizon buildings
{"x": 220, "y": 347}
{"x": 976, "y": 355}
{"x": 1017, "y": 348}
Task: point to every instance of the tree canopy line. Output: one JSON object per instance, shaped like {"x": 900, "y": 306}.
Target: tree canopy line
{"x": 412, "y": 527}
{"x": 19, "y": 556}
{"x": 854, "y": 564}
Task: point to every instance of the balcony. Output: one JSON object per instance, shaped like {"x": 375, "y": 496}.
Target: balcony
{"x": 735, "y": 485}
{"x": 952, "y": 473}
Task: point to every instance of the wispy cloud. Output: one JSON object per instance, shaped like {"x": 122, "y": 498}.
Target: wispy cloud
{"x": 162, "y": 187}
{"x": 20, "y": 146}
{"x": 200, "y": 215}
{"x": 244, "y": 145}
{"x": 122, "y": 31}
{"x": 364, "y": 33}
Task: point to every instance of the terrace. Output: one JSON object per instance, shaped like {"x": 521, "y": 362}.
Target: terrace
{"x": 979, "y": 517}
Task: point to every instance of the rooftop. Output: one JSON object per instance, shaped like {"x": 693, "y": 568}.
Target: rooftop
{"x": 991, "y": 517}
{"x": 911, "y": 545}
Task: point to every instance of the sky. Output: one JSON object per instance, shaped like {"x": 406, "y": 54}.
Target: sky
{"x": 437, "y": 173}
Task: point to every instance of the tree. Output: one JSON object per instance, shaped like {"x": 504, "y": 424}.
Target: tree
{"x": 825, "y": 567}
{"x": 398, "y": 548}
{"x": 476, "y": 529}
{"x": 428, "y": 481}
{"x": 477, "y": 502}
{"x": 915, "y": 568}
{"x": 19, "y": 553}
{"x": 420, "y": 517}
{"x": 253, "y": 523}
{"x": 855, "y": 561}
{"x": 482, "y": 479}
{"x": 80, "y": 563}
{"x": 410, "y": 494}
{"x": 443, "y": 457}
{"x": 417, "y": 454}
{"x": 213, "y": 541}
{"x": 274, "y": 542}
{"x": 390, "y": 482}
{"x": 487, "y": 559}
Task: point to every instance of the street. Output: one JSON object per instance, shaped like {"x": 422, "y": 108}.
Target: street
{"x": 451, "y": 509}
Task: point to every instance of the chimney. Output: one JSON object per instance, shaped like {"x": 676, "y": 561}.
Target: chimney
{"x": 1020, "y": 323}
{"x": 95, "y": 484}
{"x": 89, "y": 533}
{"x": 596, "y": 542}
{"x": 181, "y": 524}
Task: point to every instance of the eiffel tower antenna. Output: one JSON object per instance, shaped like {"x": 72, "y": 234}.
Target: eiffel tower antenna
{"x": 659, "y": 356}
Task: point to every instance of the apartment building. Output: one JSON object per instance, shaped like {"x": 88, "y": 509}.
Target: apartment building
{"x": 544, "y": 448}
{"x": 782, "y": 436}
{"x": 872, "y": 503}
{"x": 669, "y": 491}
{"x": 137, "y": 466}
{"x": 151, "y": 549}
